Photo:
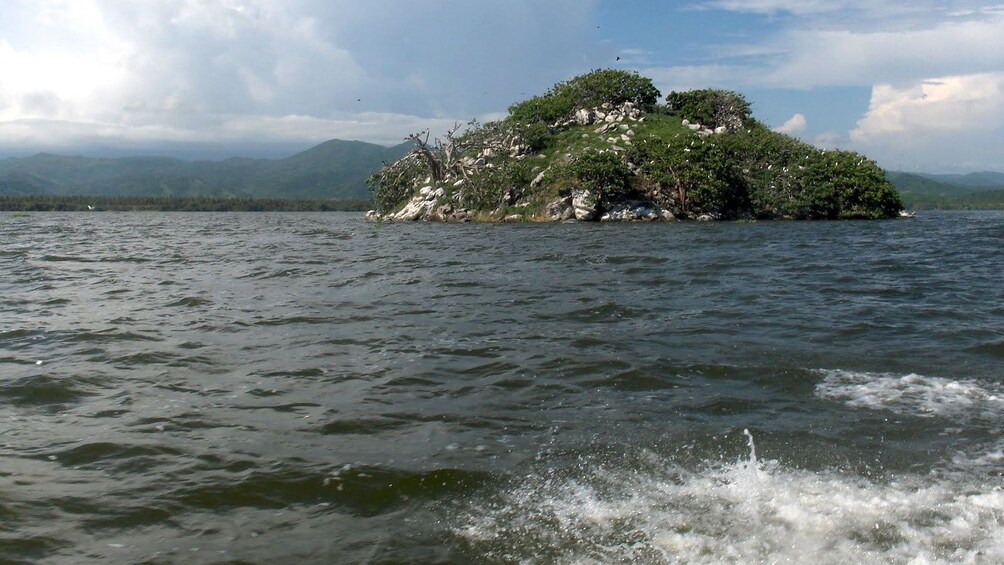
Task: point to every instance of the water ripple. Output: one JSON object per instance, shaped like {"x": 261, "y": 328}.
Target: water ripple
{"x": 311, "y": 387}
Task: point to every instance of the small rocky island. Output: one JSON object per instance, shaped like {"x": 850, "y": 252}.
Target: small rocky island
{"x": 601, "y": 147}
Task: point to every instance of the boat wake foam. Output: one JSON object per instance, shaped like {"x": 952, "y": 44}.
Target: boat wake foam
{"x": 748, "y": 511}
{"x": 912, "y": 394}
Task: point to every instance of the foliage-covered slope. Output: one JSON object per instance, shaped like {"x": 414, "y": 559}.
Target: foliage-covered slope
{"x": 601, "y": 147}
{"x": 949, "y": 192}
{"x": 985, "y": 180}
{"x": 332, "y": 170}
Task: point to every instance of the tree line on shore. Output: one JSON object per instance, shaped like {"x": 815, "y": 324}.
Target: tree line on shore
{"x": 46, "y": 203}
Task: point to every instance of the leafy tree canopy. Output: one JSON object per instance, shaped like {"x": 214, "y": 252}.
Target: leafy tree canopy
{"x": 586, "y": 91}
{"x": 711, "y": 108}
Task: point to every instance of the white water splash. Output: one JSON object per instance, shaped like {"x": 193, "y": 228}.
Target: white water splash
{"x": 912, "y": 394}
{"x": 747, "y": 512}
{"x": 749, "y": 443}
{"x": 985, "y": 458}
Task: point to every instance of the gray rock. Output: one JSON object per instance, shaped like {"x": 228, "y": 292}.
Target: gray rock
{"x": 632, "y": 211}
{"x": 413, "y": 211}
{"x": 538, "y": 179}
{"x": 585, "y": 205}
{"x": 560, "y": 209}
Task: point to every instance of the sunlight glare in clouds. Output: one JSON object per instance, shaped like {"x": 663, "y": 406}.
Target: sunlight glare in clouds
{"x": 195, "y": 68}
{"x": 57, "y": 85}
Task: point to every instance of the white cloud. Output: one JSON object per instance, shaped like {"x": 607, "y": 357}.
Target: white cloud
{"x": 837, "y": 59}
{"x": 824, "y": 13}
{"x": 775, "y": 6}
{"x": 932, "y": 123}
{"x": 194, "y": 68}
{"x": 850, "y": 43}
{"x": 794, "y": 126}
{"x": 690, "y": 77}
{"x": 846, "y": 57}
{"x": 374, "y": 127}
{"x": 829, "y": 140}
{"x": 70, "y": 82}
{"x": 953, "y": 104}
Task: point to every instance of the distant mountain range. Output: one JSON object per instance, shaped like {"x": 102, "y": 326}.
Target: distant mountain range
{"x": 984, "y": 190}
{"x": 335, "y": 169}
{"x": 983, "y": 179}
{"x": 338, "y": 169}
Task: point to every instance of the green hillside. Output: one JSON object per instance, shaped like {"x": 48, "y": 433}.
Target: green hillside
{"x": 986, "y": 180}
{"x": 332, "y": 170}
{"x": 948, "y": 192}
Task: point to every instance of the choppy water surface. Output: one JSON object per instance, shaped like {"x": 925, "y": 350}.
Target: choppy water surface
{"x": 200, "y": 388}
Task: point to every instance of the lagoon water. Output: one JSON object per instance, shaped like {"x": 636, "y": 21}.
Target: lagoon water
{"x": 312, "y": 388}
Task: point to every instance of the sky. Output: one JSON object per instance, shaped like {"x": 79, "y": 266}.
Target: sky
{"x": 917, "y": 85}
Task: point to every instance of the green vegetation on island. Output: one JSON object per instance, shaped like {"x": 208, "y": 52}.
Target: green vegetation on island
{"x": 601, "y": 146}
